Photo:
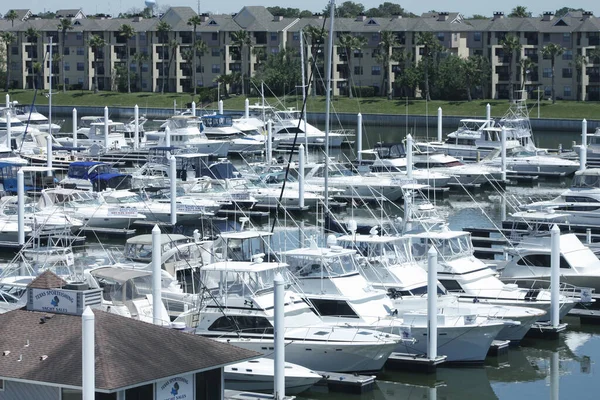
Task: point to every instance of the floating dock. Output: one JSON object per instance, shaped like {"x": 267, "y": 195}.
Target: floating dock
{"x": 346, "y": 383}
{"x": 414, "y": 362}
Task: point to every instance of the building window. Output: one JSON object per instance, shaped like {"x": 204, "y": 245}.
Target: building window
{"x": 144, "y": 84}
{"x": 567, "y": 72}
{"x": 358, "y": 53}
{"x": 567, "y": 37}
{"x": 567, "y": 55}
{"x": 547, "y": 73}
{"x": 376, "y": 70}
{"x": 216, "y": 52}
{"x": 440, "y": 36}
{"x": 296, "y": 36}
{"x": 548, "y": 91}
{"x": 79, "y": 36}
{"x": 67, "y": 66}
{"x": 80, "y": 51}
{"x": 477, "y": 36}
{"x": 80, "y": 81}
{"x": 358, "y": 70}
{"x": 215, "y": 36}
{"x": 142, "y": 35}
{"x": 375, "y": 36}
{"x": 145, "y": 67}
{"x": 273, "y": 36}
{"x": 66, "y": 81}
{"x": 66, "y": 51}
{"x": 216, "y": 69}
{"x": 567, "y": 91}
{"x": 546, "y": 37}
{"x": 80, "y": 66}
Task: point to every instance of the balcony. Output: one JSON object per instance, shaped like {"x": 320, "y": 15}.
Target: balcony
{"x": 594, "y": 78}
{"x": 503, "y": 59}
{"x": 503, "y": 77}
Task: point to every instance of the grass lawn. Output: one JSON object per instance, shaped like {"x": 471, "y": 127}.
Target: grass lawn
{"x": 375, "y": 105}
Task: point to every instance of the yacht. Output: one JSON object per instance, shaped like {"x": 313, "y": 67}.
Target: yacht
{"x": 29, "y": 115}
{"x": 386, "y": 263}
{"x": 94, "y": 176}
{"x": 288, "y": 124}
{"x": 39, "y": 219}
{"x": 95, "y": 136}
{"x": 237, "y": 308}
{"x": 522, "y": 161}
{"x": 332, "y": 284}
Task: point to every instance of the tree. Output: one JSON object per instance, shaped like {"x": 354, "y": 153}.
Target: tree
{"x": 96, "y": 42}
{"x": 551, "y": 51}
{"x": 450, "y": 84}
{"x": 173, "y": 46}
{"x": 478, "y": 16}
{"x": 140, "y": 58}
{"x": 163, "y": 30}
{"x": 201, "y": 48}
{"x": 519, "y": 12}
{"x": 470, "y": 71}
{"x": 561, "y": 12}
{"x": 8, "y": 38}
{"x": 225, "y": 80}
{"x": 580, "y": 63}
{"x": 281, "y": 71}
{"x": 11, "y": 16}
{"x": 431, "y": 46}
{"x": 37, "y": 69}
{"x": 32, "y": 34}
{"x": 286, "y": 12}
{"x": 194, "y": 22}
{"x": 316, "y": 35}
{"x": 526, "y": 66}
{"x": 510, "y": 44}
{"x": 349, "y": 43}
{"x": 242, "y": 40}
{"x": 64, "y": 25}
{"x": 127, "y": 32}
{"x": 388, "y": 40}
{"x": 347, "y": 9}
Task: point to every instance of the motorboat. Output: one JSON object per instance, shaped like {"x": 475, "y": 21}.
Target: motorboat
{"x": 89, "y": 207}
{"x": 94, "y": 176}
{"x": 332, "y": 284}
{"x": 40, "y": 220}
{"x": 290, "y": 125}
{"x": 30, "y": 116}
{"x": 237, "y": 308}
{"x": 521, "y": 161}
{"x": 95, "y": 136}
{"x": 258, "y": 375}
{"x": 386, "y": 263}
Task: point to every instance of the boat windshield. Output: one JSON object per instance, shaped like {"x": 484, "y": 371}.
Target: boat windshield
{"x": 316, "y": 266}
{"x": 388, "y": 253}
{"x": 131, "y": 198}
{"x": 240, "y": 283}
{"x": 586, "y": 181}
{"x": 447, "y": 248}
{"x": 122, "y": 292}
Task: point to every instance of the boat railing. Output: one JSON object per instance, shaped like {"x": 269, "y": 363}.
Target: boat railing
{"x": 566, "y": 289}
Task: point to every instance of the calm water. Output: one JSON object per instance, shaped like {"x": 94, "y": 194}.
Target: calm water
{"x": 538, "y": 369}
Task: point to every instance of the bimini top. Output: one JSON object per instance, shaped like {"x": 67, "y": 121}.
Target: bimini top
{"x": 119, "y": 274}
{"x": 164, "y": 238}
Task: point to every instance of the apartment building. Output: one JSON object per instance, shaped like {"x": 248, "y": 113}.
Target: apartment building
{"x": 155, "y": 55}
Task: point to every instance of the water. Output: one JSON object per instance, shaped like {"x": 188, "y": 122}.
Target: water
{"x": 538, "y": 369}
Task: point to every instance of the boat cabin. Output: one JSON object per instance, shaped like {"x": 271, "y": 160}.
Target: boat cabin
{"x": 95, "y": 176}
{"x": 242, "y": 246}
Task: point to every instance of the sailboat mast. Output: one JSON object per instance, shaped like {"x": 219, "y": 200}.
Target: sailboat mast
{"x": 328, "y": 100}
{"x": 303, "y": 92}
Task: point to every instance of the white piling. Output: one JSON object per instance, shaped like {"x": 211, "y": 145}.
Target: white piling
{"x": 221, "y": 107}
{"x": 269, "y": 154}
{"x": 554, "y": 376}
{"x": 173, "y": 181}
{"x": 49, "y": 153}
{"x": 555, "y": 276}
{"x": 156, "y": 276}
{"x": 439, "y": 125}
{"x": 279, "y": 334}
{"x": 21, "y": 206}
{"x": 583, "y": 150}
{"x": 74, "y": 125}
{"x": 167, "y": 136}
{"x": 301, "y": 175}
{"x": 136, "y": 127}
{"x": 503, "y": 153}
{"x": 359, "y": 137}
{"x": 106, "y": 128}
{"x": 488, "y": 112}
{"x": 432, "y": 303}
{"x": 194, "y": 108}
{"x": 588, "y": 236}
{"x": 247, "y": 108}
{"x": 409, "y": 156}
{"x": 7, "y": 100}
{"x": 8, "y": 128}
{"x": 88, "y": 354}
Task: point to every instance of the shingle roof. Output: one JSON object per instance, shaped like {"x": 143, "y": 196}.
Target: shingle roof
{"x": 69, "y": 12}
{"x": 128, "y": 352}
{"x": 47, "y": 280}
{"x": 21, "y": 13}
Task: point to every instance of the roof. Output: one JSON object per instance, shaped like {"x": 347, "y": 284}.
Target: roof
{"x": 47, "y": 280}
{"x": 69, "y": 13}
{"x": 128, "y": 352}
{"x": 119, "y": 274}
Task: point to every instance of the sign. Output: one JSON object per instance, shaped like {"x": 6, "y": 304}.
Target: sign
{"x": 54, "y": 300}
{"x": 176, "y": 388}
{"x": 122, "y": 212}
{"x": 190, "y": 208}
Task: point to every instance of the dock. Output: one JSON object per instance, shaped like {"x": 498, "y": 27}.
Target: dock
{"x": 346, "y": 383}
{"x": 499, "y": 348}
{"x": 544, "y": 330}
{"x": 414, "y": 362}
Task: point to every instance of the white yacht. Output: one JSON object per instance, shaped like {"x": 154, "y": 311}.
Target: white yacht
{"x": 30, "y": 116}
{"x": 185, "y": 132}
{"x": 522, "y": 161}
{"x": 95, "y": 136}
{"x": 386, "y": 263}
{"x": 237, "y": 307}
{"x": 332, "y": 284}
{"x": 287, "y": 124}
{"x": 39, "y": 219}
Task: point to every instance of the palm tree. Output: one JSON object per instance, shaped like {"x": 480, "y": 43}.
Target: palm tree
{"x": 519, "y": 12}
{"x": 243, "y": 41}
{"x": 580, "y": 62}
{"x": 65, "y": 25}
{"x": 510, "y": 44}
{"x": 37, "y": 69}
{"x": 260, "y": 53}
{"x": 431, "y": 46}
{"x": 526, "y": 65}
{"x": 127, "y": 32}
{"x": 194, "y": 22}
{"x": 163, "y": 30}
{"x": 32, "y": 34}
{"x": 201, "y": 49}
{"x": 349, "y": 43}
{"x": 388, "y": 40}
{"x": 96, "y": 43}
{"x": 140, "y": 58}
{"x": 470, "y": 70}
{"x": 225, "y": 80}
{"x": 317, "y": 37}
{"x": 173, "y": 45}
{"x": 7, "y": 38}
{"x": 551, "y": 51}
{"x": 11, "y": 16}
